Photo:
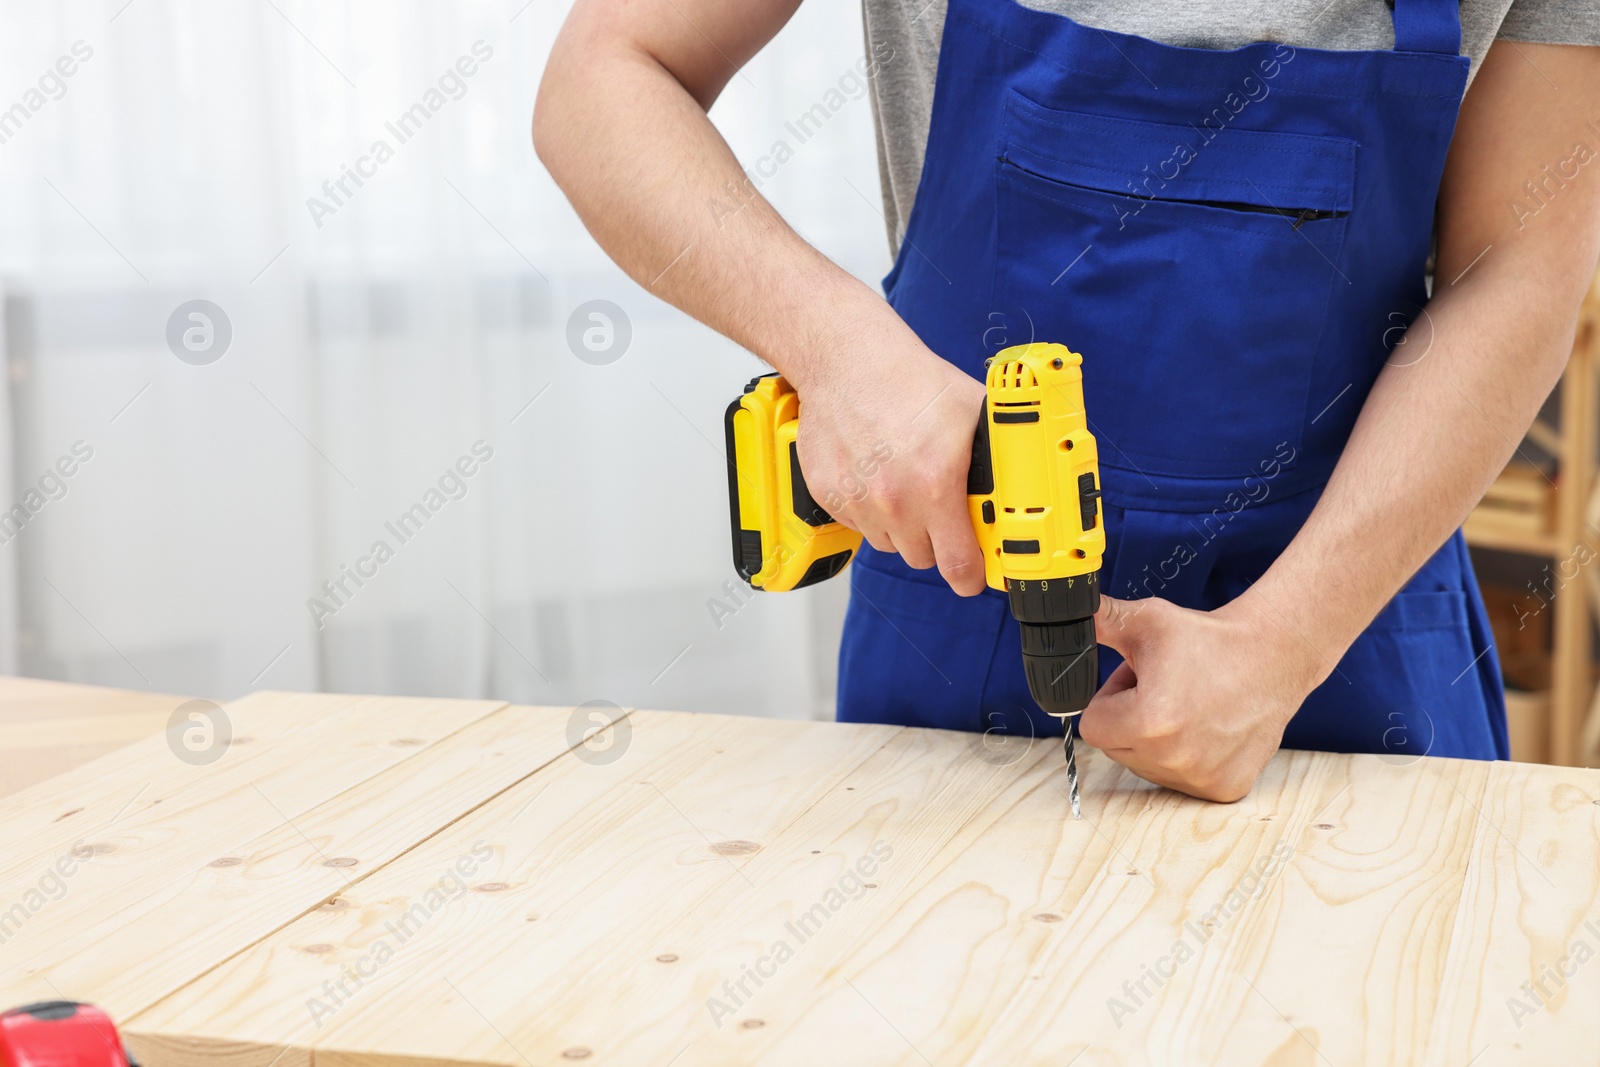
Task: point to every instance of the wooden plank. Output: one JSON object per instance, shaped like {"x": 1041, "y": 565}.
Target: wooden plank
{"x": 974, "y": 882}
{"x": 73, "y": 875}
{"x": 1527, "y": 724}
{"x": 27, "y": 699}
{"x": 1523, "y": 974}
{"x": 513, "y": 903}
{"x": 1385, "y": 857}
{"x": 229, "y": 893}
{"x": 1544, "y": 437}
{"x": 111, "y": 729}
{"x": 1487, "y": 531}
{"x": 821, "y": 883}
{"x": 905, "y": 793}
{"x": 997, "y": 931}
{"x": 1032, "y": 923}
{"x": 48, "y": 727}
{"x": 576, "y": 851}
{"x": 258, "y": 785}
{"x": 96, "y": 793}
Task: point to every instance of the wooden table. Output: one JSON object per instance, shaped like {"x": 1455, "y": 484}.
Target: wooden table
{"x": 366, "y": 881}
{"x": 50, "y": 727}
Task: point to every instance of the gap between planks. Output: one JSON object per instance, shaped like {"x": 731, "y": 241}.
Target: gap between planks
{"x": 503, "y": 708}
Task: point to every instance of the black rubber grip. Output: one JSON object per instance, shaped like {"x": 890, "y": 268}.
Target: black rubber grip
{"x": 980, "y": 474}
{"x": 804, "y": 505}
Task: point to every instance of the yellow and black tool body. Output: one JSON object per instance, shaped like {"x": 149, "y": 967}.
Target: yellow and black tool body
{"x": 782, "y": 538}
{"x": 1033, "y": 492}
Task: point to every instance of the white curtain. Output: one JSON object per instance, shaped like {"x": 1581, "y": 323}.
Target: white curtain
{"x": 386, "y": 337}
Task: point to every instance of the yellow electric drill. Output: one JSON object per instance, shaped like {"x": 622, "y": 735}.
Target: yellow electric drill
{"x": 1033, "y": 492}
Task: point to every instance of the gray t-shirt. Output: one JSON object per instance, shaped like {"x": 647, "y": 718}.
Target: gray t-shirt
{"x": 905, "y": 34}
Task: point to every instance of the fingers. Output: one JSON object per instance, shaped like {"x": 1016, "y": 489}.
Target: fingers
{"x": 923, "y": 516}
{"x": 911, "y": 540}
{"x": 1122, "y": 678}
{"x": 1137, "y": 731}
{"x": 955, "y": 547}
{"x": 1111, "y": 722}
{"x": 907, "y": 493}
{"x": 879, "y": 539}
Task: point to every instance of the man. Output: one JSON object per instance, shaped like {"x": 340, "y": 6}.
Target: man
{"x": 1229, "y": 210}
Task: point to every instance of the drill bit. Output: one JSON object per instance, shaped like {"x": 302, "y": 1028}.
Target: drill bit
{"x": 1072, "y": 775}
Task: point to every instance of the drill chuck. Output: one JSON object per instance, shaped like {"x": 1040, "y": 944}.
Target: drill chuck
{"x": 1059, "y": 654}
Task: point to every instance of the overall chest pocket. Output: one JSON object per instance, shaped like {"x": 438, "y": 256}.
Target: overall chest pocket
{"x": 1191, "y": 265}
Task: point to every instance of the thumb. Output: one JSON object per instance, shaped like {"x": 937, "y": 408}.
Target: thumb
{"x": 1123, "y": 625}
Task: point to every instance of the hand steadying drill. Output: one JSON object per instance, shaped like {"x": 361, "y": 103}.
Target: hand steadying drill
{"x": 1201, "y": 699}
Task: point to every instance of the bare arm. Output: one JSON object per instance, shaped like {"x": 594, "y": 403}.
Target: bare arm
{"x": 1448, "y": 410}
{"x": 621, "y": 124}
{"x": 1441, "y": 421}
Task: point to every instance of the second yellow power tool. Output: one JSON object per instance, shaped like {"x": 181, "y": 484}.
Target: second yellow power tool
{"x": 1033, "y": 492}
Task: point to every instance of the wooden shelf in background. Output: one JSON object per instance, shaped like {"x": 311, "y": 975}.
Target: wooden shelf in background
{"x": 1491, "y": 534}
{"x": 1529, "y": 512}
{"x": 1528, "y": 722}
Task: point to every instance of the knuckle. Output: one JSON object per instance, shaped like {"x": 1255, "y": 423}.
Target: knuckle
{"x": 1184, "y": 762}
{"x": 958, "y": 572}
{"x": 955, "y": 566}
{"x": 1163, "y": 724}
{"x": 1120, "y": 613}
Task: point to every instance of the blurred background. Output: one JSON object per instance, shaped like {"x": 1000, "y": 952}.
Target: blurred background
{"x": 361, "y": 339}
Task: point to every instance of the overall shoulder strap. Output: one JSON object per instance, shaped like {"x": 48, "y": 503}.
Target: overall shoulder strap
{"x": 1427, "y": 26}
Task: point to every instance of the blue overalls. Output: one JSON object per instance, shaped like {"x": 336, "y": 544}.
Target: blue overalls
{"x": 1234, "y": 241}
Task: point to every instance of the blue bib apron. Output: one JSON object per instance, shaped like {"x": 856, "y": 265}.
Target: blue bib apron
{"x": 1235, "y": 241}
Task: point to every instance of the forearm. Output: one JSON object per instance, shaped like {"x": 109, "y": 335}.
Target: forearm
{"x": 1453, "y": 402}
{"x": 621, "y": 124}
{"x": 1440, "y": 423}
{"x": 663, "y": 194}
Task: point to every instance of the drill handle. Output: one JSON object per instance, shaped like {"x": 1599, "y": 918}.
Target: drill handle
{"x": 980, "y": 475}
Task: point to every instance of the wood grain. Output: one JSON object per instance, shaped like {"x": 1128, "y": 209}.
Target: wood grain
{"x": 48, "y": 728}
{"x": 694, "y": 889}
{"x": 1523, "y": 973}
{"x": 76, "y": 897}
{"x": 203, "y": 910}
{"x": 591, "y": 849}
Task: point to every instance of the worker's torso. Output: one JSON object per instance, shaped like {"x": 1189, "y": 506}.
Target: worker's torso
{"x": 1234, "y": 240}
{"x": 903, "y": 38}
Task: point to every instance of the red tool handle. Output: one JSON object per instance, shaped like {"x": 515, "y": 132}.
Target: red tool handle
{"x": 61, "y": 1033}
